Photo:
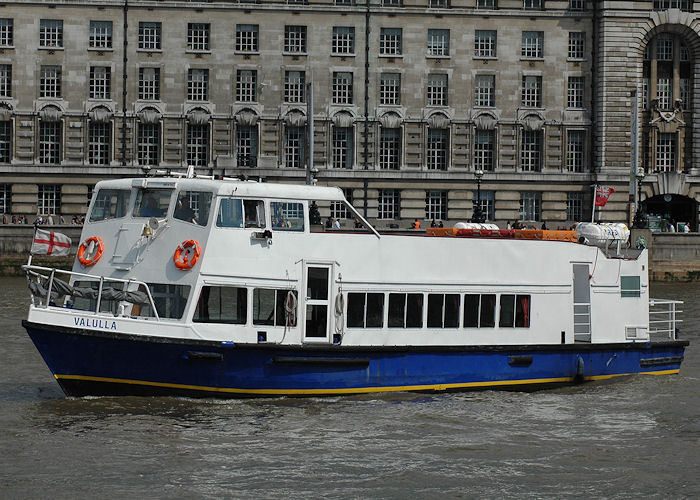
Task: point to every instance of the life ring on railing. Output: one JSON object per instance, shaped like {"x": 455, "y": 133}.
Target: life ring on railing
{"x": 186, "y": 254}
{"x": 90, "y": 251}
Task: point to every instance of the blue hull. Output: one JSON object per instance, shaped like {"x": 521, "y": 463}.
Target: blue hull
{"x": 88, "y": 363}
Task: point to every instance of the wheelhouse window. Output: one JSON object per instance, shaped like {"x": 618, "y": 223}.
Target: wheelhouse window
{"x": 405, "y": 310}
{"x": 234, "y": 212}
{"x": 443, "y": 310}
{"x": 152, "y": 202}
{"x": 110, "y": 204}
{"x": 275, "y": 307}
{"x": 170, "y": 300}
{"x": 193, "y": 206}
{"x": 365, "y": 310}
{"x": 222, "y": 304}
{"x": 479, "y": 311}
{"x": 630, "y": 286}
{"x": 515, "y": 311}
{"x": 287, "y": 216}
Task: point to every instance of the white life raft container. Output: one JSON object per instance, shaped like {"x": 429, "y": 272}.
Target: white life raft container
{"x": 602, "y": 235}
{"x": 475, "y": 225}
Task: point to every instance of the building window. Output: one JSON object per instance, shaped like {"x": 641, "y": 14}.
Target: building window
{"x": 6, "y": 32}
{"x": 197, "y": 84}
{"x": 149, "y": 144}
{"x": 149, "y": 84}
{"x": 390, "y": 42}
{"x": 246, "y": 38}
{"x": 574, "y": 150}
{"x": 485, "y": 43}
{"x": 672, "y": 4}
{"x": 49, "y": 199}
{"x": 149, "y": 36}
{"x": 645, "y": 93}
{"x": 5, "y": 141}
{"x": 531, "y": 151}
{"x": 577, "y": 5}
{"x": 100, "y": 35}
{"x": 666, "y": 152}
{"x": 49, "y": 142}
{"x": 532, "y": 44}
{"x": 436, "y": 205}
{"x": 664, "y": 48}
{"x": 664, "y": 92}
{"x": 390, "y": 148}
{"x": 246, "y": 85}
{"x": 486, "y": 202}
{"x": 574, "y": 206}
{"x": 5, "y": 80}
{"x": 485, "y": 91}
{"x": 100, "y": 82}
{"x": 574, "y": 95}
{"x": 344, "y": 2}
{"x": 339, "y": 210}
{"x": 439, "y": 4}
{"x": 530, "y": 206}
{"x": 484, "y": 146}
{"x": 51, "y": 33}
{"x": 487, "y": 4}
{"x": 439, "y": 43}
{"x": 437, "y": 90}
{"x": 389, "y": 204}
{"x": 343, "y": 40}
{"x": 295, "y": 39}
{"x": 533, "y": 4}
{"x": 99, "y": 138}
{"x": 437, "y": 149}
{"x": 5, "y": 198}
{"x": 50, "y": 81}
{"x": 342, "y": 147}
{"x": 390, "y": 89}
{"x": 342, "y": 87}
{"x": 577, "y": 44}
{"x": 294, "y": 144}
{"x": 247, "y": 146}
{"x": 197, "y": 147}
{"x": 198, "y": 36}
{"x": 685, "y": 92}
{"x": 294, "y": 83}
{"x": 532, "y": 91}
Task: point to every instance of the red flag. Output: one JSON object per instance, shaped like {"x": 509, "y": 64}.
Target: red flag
{"x": 50, "y": 243}
{"x": 602, "y": 193}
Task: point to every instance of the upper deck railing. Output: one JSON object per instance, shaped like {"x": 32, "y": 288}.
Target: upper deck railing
{"x": 663, "y": 318}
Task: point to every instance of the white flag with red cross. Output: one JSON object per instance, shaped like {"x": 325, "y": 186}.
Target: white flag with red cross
{"x": 50, "y": 243}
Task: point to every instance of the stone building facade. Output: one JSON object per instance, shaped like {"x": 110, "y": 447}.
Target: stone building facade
{"x": 410, "y": 100}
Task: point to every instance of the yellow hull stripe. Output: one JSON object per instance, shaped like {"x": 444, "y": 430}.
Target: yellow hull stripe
{"x": 353, "y": 390}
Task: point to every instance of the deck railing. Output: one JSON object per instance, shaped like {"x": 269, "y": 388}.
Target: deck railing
{"x": 48, "y": 275}
{"x": 663, "y": 318}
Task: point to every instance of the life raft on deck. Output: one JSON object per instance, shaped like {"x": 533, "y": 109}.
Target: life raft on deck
{"x": 602, "y": 234}
{"x": 517, "y": 234}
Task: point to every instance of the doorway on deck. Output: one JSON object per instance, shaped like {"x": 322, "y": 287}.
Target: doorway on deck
{"x": 673, "y": 208}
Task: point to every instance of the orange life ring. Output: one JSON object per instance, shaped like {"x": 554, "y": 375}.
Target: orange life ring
{"x": 98, "y": 249}
{"x": 186, "y": 254}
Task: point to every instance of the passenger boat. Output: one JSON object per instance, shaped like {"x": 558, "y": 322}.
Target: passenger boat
{"x": 194, "y": 286}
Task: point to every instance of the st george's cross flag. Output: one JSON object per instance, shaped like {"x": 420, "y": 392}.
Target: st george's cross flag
{"x": 50, "y": 243}
{"x": 602, "y": 193}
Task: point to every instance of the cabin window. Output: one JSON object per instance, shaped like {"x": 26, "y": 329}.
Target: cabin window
{"x": 275, "y": 307}
{"x": 405, "y": 310}
{"x": 110, "y": 204}
{"x": 365, "y": 310}
{"x": 443, "y": 310}
{"x": 230, "y": 213}
{"x": 287, "y": 216}
{"x": 170, "y": 300}
{"x": 515, "y": 311}
{"x": 254, "y": 211}
{"x": 152, "y": 202}
{"x": 193, "y": 206}
{"x": 479, "y": 311}
{"x": 222, "y": 304}
{"x": 630, "y": 286}
{"x": 87, "y": 300}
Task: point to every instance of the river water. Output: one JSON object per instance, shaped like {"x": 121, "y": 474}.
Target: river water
{"x": 633, "y": 437}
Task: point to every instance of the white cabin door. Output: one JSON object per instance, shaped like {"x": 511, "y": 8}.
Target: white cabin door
{"x": 582, "y": 303}
{"x": 317, "y": 326}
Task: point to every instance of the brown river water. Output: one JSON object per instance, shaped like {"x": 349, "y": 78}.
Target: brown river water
{"x": 630, "y": 438}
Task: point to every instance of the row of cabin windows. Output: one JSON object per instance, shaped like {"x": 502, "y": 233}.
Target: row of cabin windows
{"x": 278, "y": 307}
{"x": 405, "y": 310}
